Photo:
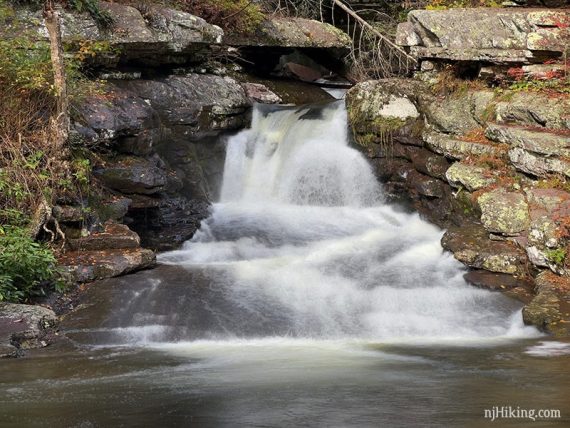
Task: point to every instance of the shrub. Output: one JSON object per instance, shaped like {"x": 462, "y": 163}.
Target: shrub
{"x": 31, "y": 169}
{"x": 27, "y": 268}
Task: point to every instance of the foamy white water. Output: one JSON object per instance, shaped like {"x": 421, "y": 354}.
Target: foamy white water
{"x": 304, "y": 239}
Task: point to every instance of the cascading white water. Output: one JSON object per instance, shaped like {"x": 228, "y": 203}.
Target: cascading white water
{"x": 306, "y": 244}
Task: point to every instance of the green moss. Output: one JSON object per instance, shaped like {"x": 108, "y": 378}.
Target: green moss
{"x": 556, "y": 256}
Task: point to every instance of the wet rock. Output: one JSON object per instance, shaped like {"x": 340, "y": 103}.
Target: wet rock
{"x": 489, "y": 35}
{"x": 471, "y": 245}
{"x": 550, "y": 309}
{"x": 260, "y": 93}
{"x": 425, "y": 185}
{"x": 538, "y": 165}
{"x": 132, "y": 175}
{"x": 118, "y": 114}
{"x": 430, "y": 163}
{"x": 536, "y": 141}
{"x": 454, "y": 148}
{"x": 197, "y": 102}
{"x": 24, "y": 327}
{"x": 495, "y": 281}
{"x": 506, "y": 213}
{"x": 166, "y": 224}
{"x": 469, "y": 176}
{"x": 87, "y": 266}
{"x": 113, "y": 236}
{"x": 114, "y": 209}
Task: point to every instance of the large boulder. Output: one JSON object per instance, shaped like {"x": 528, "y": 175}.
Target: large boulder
{"x": 503, "y": 212}
{"x": 382, "y": 111}
{"x": 293, "y": 33}
{"x": 489, "y": 35}
{"x": 537, "y": 141}
{"x": 131, "y": 175}
{"x": 137, "y": 116}
{"x": 87, "y": 266}
{"x": 471, "y": 245}
{"x": 197, "y": 102}
{"x": 549, "y": 310}
{"x": 470, "y": 177}
{"x": 24, "y": 327}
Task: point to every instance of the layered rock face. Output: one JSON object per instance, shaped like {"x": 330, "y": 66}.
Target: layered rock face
{"x": 480, "y": 145}
{"x": 490, "y": 167}
{"x": 489, "y": 35}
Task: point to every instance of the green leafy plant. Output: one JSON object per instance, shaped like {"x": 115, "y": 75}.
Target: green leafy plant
{"x": 27, "y": 268}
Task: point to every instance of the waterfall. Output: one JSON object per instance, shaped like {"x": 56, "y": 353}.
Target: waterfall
{"x": 303, "y": 246}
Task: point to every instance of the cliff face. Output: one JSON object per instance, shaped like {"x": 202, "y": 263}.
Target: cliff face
{"x": 482, "y": 149}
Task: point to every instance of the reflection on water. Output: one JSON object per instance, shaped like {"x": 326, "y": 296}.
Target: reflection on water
{"x": 281, "y": 382}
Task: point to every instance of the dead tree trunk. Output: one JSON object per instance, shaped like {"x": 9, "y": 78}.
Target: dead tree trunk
{"x": 61, "y": 120}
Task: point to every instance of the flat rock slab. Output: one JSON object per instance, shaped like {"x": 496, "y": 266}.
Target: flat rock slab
{"x": 496, "y": 281}
{"x": 113, "y": 236}
{"x": 539, "y": 141}
{"x": 24, "y": 327}
{"x": 471, "y": 245}
{"x": 87, "y": 266}
{"x": 538, "y": 165}
{"x": 492, "y": 34}
{"x": 293, "y": 33}
{"x": 534, "y": 109}
{"x": 455, "y": 148}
